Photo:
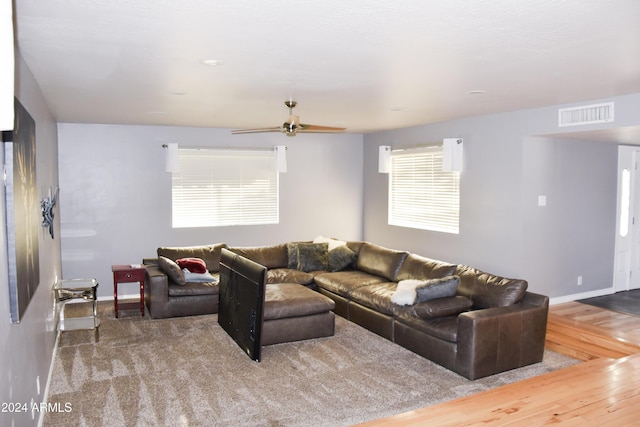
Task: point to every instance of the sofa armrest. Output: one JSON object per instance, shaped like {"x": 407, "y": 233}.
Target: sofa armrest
{"x": 498, "y": 339}
{"x": 156, "y": 291}
{"x": 150, "y": 261}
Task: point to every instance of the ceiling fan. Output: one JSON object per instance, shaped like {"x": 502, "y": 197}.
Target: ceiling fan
{"x": 292, "y": 126}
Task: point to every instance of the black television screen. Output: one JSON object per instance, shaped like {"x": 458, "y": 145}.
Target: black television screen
{"x": 240, "y": 312}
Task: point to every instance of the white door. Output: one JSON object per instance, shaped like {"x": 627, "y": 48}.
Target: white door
{"x": 627, "y": 257}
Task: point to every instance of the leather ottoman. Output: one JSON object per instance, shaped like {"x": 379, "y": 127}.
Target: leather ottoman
{"x": 293, "y": 312}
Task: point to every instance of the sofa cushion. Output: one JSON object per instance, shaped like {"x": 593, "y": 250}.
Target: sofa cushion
{"x": 437, "y": 288}
{"x": 195, "y": 288}
{"x": 355, "y": 246}
{"x": 285, "y": 300}
{"x": 487, "y": 290}
{"x": 171, "y": 269}
{"x": 444, "y": 328}
{"x": 422, "y": 268}
{"x": 269, "y": 256}
{"x": 210, "y": 254}
{"x": 194, "y": 265}
{"x": 380, "y": 261}
{"x": 377, "y": 296}
{"x": 288, "y": 275}
{"x": 343, "y": 282}
{"x": 440, "y": 307}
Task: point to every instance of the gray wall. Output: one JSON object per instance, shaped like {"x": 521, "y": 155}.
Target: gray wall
{"x": 502, "y": 230}
{"x": 574, "y": 234}
{"x": 27, "y": 347}
{"x": 115, "y": 196}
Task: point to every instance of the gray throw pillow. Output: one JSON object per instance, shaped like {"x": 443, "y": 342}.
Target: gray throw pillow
{"x": 313, "y": 256}
{"x": 172, "y": 270}
{"x": 198, "y": 277}
{"x": 437, "y": 288}
{"x": 340, "y": 258}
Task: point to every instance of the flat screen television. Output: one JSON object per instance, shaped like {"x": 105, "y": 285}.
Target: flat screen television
{"x": 240, "y": 311}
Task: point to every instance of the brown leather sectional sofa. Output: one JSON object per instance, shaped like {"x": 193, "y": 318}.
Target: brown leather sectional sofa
{"x": 491, "y": 324}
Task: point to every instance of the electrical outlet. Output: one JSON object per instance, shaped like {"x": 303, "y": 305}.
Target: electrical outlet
{"x": 579, "y": 280}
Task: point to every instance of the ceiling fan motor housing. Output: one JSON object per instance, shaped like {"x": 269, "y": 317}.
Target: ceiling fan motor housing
{"x": 289, "y": 128}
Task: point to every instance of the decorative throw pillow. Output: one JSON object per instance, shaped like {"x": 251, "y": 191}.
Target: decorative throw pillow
{"x": 194, "y": 265}
{"x": 313, "y": 256}
{"x": 405, "y": 293}
{"x": 341, "y": 257}
{"x": 292, "y": 254}
{"x": 172, "y": 270}
{"x": 333, "y": 243}
{"x": 198, "y": 277}
{"x": 437, "y": 288}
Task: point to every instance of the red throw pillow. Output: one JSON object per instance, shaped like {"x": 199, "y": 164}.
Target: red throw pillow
{"x": 194, "y": 265}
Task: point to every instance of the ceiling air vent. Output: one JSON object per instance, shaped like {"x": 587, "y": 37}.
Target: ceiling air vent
{"x": 586, "y": 115}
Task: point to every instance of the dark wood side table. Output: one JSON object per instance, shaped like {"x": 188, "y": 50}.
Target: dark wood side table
{"x": 128, "y": 274}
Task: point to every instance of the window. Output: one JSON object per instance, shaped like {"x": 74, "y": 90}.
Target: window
{"x": 420, "y": 194}
{"x": 215, "y": 187}
{"x": 625, "y": 202}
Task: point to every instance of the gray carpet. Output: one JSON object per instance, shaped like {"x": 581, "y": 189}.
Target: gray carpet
{"x": 189, "y": 372}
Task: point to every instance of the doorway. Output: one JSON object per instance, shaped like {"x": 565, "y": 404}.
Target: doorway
{"x": 626, "y": 273}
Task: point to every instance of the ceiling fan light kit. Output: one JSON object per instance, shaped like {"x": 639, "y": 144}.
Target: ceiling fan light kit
{"x": 292, "y": 126}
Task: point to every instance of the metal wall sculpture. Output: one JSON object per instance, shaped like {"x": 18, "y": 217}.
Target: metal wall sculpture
{"x": 46, "y": 205}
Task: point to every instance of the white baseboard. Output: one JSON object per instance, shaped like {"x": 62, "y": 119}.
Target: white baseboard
{"x": 45, "y": 395}
{"x": 583, "y": 295}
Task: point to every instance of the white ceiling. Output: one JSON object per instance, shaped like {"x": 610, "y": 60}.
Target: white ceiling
{"x": 366, "y": 65}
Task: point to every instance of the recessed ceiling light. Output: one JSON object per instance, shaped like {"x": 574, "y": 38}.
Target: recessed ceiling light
{"x": 477, "y": 92}
{"x": 178, "y": 92}
{"x": 213, "y": 62}
{"x": 156, "y": 113}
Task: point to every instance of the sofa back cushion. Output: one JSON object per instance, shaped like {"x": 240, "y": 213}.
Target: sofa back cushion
{"x": 355, "y": 246}
{"x": 210, "y": 254}
{"x": 421, "y": 268}
{"x": 380, "y": 261}
{"x": 487, "y": 290}
{"x": 269, "y": 256}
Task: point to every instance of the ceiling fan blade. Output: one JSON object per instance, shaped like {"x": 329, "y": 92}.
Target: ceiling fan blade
{"x": 315, "y": 128}
{"x": 292, "y": 125}
{"x": 258, "y": 130}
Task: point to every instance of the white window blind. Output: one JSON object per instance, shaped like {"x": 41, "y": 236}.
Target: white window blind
{"x": 421, "y": 195}
{"x": 216, "y": 187}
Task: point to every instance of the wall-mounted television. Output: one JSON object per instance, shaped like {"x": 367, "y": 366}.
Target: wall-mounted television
{"x": 240, "y": 313}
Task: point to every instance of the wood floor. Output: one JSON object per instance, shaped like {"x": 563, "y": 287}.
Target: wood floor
{"x": 601, "y": 391}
